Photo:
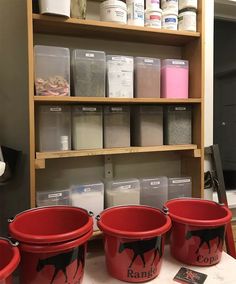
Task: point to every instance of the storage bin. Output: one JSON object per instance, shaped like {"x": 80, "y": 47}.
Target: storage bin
{"x": 122, "y": 192}
{"x": 56, "y": 7}
{"x": 179, "y": 187}
{"x": 53, "y": 128}
{"x": 87, "y": 126}
{"x": 89, "y": 197}
{"x": 52, "y": 70}
{"x": 154, "y": 191}
{"x": 120, "y": 71}
{"x": 89, "y": 70}
{"x": 178, "y": 125}
{"x": 174, "y": 79}
{"x": 49, "y": 198}
{"x": 116, "y": 126}
{"x": 147, "y": 77}
{"x": 148, "y": 126}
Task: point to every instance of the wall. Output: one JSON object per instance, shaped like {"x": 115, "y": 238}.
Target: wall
{"x": 14, "y": 196}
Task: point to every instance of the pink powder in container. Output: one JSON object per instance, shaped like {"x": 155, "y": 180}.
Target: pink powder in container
{"x": 174, "y": 79}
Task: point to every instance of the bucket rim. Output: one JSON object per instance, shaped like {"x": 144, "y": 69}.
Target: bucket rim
{"x": 49, "y": 239}
{"x": 137, "y": 234}
{"x": 204, "y": 223}
{"x": 14, "y": 262}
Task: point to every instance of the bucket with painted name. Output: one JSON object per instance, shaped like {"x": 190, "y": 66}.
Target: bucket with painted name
{"x": 134, "y": 238}
{"x": 9, "y": 260}
{"x": 53, "y": 243}
{"x": 198, "y": 230}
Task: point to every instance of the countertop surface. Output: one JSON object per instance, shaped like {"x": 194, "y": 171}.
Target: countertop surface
{"x": 224, "y": 272}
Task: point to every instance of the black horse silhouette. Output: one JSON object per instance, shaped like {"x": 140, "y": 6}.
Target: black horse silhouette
{"x": 207, "y": 235}
{"x": 61, "y": 261}
{"x": 142, "y": 246}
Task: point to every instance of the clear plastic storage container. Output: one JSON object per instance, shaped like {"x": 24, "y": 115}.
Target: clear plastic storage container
{"x": 154, "y": 191}
{"x": 148, "y": 125}
{"x": 122, "y": 192}
{"x": 87, "y": 127}
{"x": 116, "y": 126}
{"x": 147, "y": 77}
{"x": 174, "y": 79}
{"x": 179, "y": 187}
{"x": 178, "y": 125}
{"x": 89, "y": 197}
{"x": 50, "y": 198}
{"x": 53, "y": 128}
{"x": 120, "y": 71}
{"x": 52, "y": 70}
{"x": 89, "y": 71}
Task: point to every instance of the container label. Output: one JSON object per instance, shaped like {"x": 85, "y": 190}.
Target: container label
{"x": 147, "y": 60}
{"x": 55, "y": 109}
{"x": 180, "y": 108}
{"x": 170, "y": 20}
{"x": 89, "y": 54}
{"x": 116, "y": 109}
{"x": 178, "y": 62}
{"x": 128, "y": 186}
{"x": 155, "y": 183}
{"x": 155, "y": 17}
{"x": 89, "y": 109}
{"x": 181, "y": 181}
{"x": 53, "y": 195}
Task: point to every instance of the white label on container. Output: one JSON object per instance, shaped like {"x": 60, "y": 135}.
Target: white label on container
{"x": 128, "y": 186}
{"x": 178, "y": 62}
{"x": 180, "y": 108}
{"x": 181, "y": 181}
{"x": 89, "y": 108}
{"x": 64, "y": 143}
{"x": 155, "y": 182}
{"x": 118, "y": 109}
{"x": 87, "y": 189}
{"x": 148, "y": 60}
{"x": 89, "y": 54}
{"x": 55, "y": 108}
{"x": 53, "y": 195}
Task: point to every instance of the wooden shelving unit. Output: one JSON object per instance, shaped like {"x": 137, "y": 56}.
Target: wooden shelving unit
{"x": 191, "y": 45}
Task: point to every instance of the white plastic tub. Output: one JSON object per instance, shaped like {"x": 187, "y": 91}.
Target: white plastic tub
{"x": 57, "y": 7}
{"x": 188, "y": 20}
{"x": 187, "y": 4}
{"x": 113, "y": 11}
{"x": 135, "y": 10}
{"x": 153, "y": 18}
{"x": 169, "y": 20}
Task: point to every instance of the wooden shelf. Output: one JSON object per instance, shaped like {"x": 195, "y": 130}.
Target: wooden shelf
{"x": 111, "y": 31}
{"x": 42, "y": 156}
{"x": 99, "y": 100}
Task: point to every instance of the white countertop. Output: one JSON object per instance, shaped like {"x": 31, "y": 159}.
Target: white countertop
{"x": 224, "y": 272}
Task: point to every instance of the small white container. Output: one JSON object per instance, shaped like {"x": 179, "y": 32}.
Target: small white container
{"x": 187, "y": 4}
{"x": 113, "y": 11}
{"x": 170, "y": 5}
{"x": 188, "y": 20}
{"x": 169, "y": 20}
{"x": 153, "y": 18}
{"x": 152, "y": 4}
{"x": 135, "y": 10}
{"x": 61, "y": 7}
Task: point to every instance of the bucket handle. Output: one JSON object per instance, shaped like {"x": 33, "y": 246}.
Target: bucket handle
{"x": 11, "y": 219}
{"x": 10, "y": 241}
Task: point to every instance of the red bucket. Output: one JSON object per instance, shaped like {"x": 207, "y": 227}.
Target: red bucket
{"x": 53, "y": 244}
{"x": 9, "y": 260}
{"x": 134, "y": 238}
{"x": 198, "y": 230}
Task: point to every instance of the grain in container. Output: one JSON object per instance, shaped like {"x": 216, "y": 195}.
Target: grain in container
{"x": 179, "y": 187}
{"x": 113, "y": 11}
{"x": 147, "y": 77}
{"x": 153, "y": 18}
{"x": 61, "y": 8}
{"x": 53, "y": 131}
{"x": 169, "y": 20}
{"x": 90, "y": 197}
{"x": 53, "y": 197}
{"x": 178, "y": 125}
{"x": 174, "y": 78}
{"x": 147, "y": 124}
{"x": 187, "y": 20}
{"x": 170, "y": 5}
{"x": 78, "y": 9}
{"x": 120, "y": 81}
{"x": 152, "y": 4}
{"x": 122, "y": 192}
{"x": 154, "y": 191}
{"x": 188, "y": 4}
{"x": 135, "y": 10}
{"x": 52, "y": 70}
{"x": 116, "y": 126}
{"x": 89, "y": 66}
{"x": 87, "y": 127}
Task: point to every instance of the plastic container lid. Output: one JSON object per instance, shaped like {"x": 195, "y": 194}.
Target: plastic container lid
{"x": 175, "y": 63}
{"x": 188, "y": 9}
{"x": 114, "y": 3}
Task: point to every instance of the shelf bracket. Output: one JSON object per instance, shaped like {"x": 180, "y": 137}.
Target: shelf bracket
{"x": 108, "y": 167}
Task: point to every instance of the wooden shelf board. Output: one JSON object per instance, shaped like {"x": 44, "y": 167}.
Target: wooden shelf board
{"x": 99, "y": 100}
{"x": 111, "y": 31}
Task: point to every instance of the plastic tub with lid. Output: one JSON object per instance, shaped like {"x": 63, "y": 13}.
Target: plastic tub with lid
{"x": 113, "y": 11}
{"x": 61, "y": 8}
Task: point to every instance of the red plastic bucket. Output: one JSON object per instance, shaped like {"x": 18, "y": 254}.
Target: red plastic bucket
{"x": 198, "y": 229}
{"x": 53, "y": 244}
{"x": 134, "y": 238}
{"x": 9, "y": 260}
